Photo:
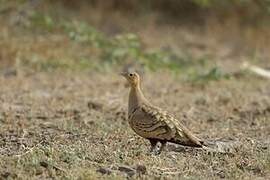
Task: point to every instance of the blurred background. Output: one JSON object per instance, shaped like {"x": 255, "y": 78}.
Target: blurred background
{"x": 192, "y": 37}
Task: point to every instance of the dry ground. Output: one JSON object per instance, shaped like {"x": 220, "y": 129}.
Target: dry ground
{"x": 63, "y": 115}
{"x": 74, "y": 126}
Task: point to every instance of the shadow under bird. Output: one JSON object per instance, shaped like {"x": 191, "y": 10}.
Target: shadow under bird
{"x": 153, "y": 123}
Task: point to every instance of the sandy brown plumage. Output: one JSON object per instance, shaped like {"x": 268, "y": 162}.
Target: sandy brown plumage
{"x": 153, "y": 123}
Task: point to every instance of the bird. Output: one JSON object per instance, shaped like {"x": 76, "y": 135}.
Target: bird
{"x": 154, "y": 123}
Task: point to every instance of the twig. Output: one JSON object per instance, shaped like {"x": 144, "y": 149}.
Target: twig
{"x": 28, "y": 151}
{"x": 257, "y": 70}
{"x": 172, "y": 172}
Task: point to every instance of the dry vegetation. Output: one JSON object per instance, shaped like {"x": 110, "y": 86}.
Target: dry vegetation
{"x": 63, "y": 106}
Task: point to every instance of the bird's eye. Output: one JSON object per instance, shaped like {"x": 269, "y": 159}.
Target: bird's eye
{"x": 130, "y": 74}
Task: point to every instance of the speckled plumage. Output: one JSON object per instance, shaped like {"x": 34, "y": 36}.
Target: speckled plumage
{"x": 153, "y": 123}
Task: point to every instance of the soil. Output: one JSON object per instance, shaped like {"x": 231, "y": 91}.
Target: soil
{"x": 66, "y": 125}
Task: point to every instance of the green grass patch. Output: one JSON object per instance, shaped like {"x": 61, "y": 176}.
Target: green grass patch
{"x": 114, "y": 52}
{"x": 212, "y": 74}
{"x": 119, "y": 49}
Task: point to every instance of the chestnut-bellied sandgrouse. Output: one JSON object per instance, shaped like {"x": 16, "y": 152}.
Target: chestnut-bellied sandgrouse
{"x": 153, "y": 123}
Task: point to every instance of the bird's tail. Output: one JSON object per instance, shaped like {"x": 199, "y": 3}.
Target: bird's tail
{"x": 187, "y": 143}
{"x": 212, "y": 146}
{"x": 220, "y": 146}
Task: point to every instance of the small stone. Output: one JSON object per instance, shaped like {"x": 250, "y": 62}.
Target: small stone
{"x": 5, "y": 174}
{"x": 94, "y": 105}
{"x": 141, "y": 169}
{"x": 128, "y": 170}
{"x": 221, "y": 174}
{"x": 104, "y": 170}
{"x": 43, "y": 164}
{"x": 9, "y": 73}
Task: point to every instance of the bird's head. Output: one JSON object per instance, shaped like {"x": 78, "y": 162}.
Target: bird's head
{"x": 132, "y": 77}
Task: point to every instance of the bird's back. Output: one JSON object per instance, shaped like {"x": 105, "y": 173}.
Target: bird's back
{"x": 153, "y": 123}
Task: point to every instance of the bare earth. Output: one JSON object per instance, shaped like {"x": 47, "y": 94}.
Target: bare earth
{"x": 70, "y": 126}
{"x": 62, "y": 118}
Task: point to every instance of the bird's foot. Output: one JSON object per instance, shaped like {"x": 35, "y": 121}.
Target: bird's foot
{"x": 155, "y": 151}
{"x": 155, "y": 148}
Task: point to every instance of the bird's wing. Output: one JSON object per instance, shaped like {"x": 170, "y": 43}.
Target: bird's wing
{"x": 158, "y": 124}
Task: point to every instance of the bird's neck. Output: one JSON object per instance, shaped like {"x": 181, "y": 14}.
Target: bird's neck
{"x": 136, "y": 98}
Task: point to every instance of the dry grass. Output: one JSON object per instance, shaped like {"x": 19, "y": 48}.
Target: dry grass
{"x": 63, "y": 113}
{"x": 72, "y": 125}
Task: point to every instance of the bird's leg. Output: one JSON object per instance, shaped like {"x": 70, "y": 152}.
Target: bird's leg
{"x": 163, "y": 144}
{"x": 153, "y": 143}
